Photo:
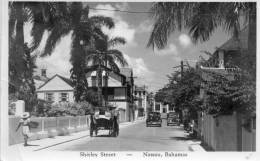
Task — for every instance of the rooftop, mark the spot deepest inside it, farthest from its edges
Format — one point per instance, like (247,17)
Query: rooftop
(234,43)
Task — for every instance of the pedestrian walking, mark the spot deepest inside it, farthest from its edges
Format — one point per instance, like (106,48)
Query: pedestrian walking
(25,123)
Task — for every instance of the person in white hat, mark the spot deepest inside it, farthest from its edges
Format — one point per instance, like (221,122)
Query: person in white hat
(25,123)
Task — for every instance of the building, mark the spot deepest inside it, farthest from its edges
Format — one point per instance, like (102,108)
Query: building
(163,108)
(141,100)
(118,87)
(57,89)
(40,77)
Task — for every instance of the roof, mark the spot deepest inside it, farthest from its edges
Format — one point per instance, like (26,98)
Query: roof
(142,88)
(66,80)
(40,78)
(235,44)
(126,71)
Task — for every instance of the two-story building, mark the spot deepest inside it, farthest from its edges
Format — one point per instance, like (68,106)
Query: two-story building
(116,90)
(141,100)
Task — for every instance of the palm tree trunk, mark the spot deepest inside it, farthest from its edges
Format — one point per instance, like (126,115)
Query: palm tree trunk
(99,78)
(18,53)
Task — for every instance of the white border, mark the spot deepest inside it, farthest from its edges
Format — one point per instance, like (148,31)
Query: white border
(57,155)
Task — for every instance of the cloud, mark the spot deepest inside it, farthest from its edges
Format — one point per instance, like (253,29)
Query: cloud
(184,40)
(171,50)
(141,71)
(145,26)
(122,28)
(122,5)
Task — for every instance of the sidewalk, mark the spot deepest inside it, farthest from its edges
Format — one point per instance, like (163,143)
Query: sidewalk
(194,144)
(37,145)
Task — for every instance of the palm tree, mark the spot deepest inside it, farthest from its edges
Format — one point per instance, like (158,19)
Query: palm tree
(75,18)
(105,54)
(21,62)
(202,19)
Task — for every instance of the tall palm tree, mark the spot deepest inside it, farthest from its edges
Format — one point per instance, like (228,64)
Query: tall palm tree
(21,62)
(105,54)
(202,19)
(75,18)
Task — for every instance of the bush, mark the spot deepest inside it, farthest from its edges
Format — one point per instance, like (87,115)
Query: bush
(69,109)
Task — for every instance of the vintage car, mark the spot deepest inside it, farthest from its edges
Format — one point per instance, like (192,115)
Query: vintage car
(154,119)
(104,118)
(173,119)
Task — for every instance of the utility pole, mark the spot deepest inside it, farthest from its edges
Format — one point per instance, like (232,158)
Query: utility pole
(181,69)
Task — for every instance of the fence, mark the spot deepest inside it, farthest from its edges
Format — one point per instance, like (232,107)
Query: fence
(61,125)
(226,133)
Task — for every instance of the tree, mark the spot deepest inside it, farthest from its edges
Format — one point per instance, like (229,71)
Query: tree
(202,19)
(21,62)
(85,30)
(104,54)
(182,92)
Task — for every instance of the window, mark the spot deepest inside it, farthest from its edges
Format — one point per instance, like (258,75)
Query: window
(94,81)
(170,108)
(119,93)
(64,97)
(49,97)
(164,110)
(157,107)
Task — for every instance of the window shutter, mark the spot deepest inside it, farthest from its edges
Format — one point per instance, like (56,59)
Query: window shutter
(60,97)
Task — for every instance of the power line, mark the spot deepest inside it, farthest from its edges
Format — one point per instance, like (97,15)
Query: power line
(117,10)
(127,11)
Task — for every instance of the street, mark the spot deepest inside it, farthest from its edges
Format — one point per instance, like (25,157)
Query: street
(136,137)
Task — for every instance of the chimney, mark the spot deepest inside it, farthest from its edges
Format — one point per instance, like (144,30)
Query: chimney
(221,59)
(43,72)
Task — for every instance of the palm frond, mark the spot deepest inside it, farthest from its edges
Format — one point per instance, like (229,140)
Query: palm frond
(37,34)
(101,20)
(117,56)
(113,66)
(116,41)
(55,36)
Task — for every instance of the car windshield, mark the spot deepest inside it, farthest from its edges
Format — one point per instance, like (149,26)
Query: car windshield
(154,114)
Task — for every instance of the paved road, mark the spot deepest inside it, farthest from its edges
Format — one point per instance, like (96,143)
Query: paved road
(135,137)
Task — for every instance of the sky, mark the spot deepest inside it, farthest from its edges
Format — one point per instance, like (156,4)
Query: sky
(150,67)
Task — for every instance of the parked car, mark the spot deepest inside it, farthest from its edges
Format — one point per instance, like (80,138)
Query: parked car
(154,118)
(173,119)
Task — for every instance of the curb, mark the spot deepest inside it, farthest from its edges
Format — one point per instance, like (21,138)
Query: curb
(55,132)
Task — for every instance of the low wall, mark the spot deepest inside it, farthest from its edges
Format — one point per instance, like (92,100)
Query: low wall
(225,133)
(49,126)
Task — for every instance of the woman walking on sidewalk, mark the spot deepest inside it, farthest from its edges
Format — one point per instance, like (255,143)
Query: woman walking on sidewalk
(25,122)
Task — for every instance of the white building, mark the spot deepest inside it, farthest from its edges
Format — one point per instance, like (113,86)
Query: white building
(141,100)
(118,91)
(57,89)
(163,108)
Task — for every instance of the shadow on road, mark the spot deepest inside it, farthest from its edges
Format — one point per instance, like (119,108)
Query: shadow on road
(184,138)
(104,136)
(31,145)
